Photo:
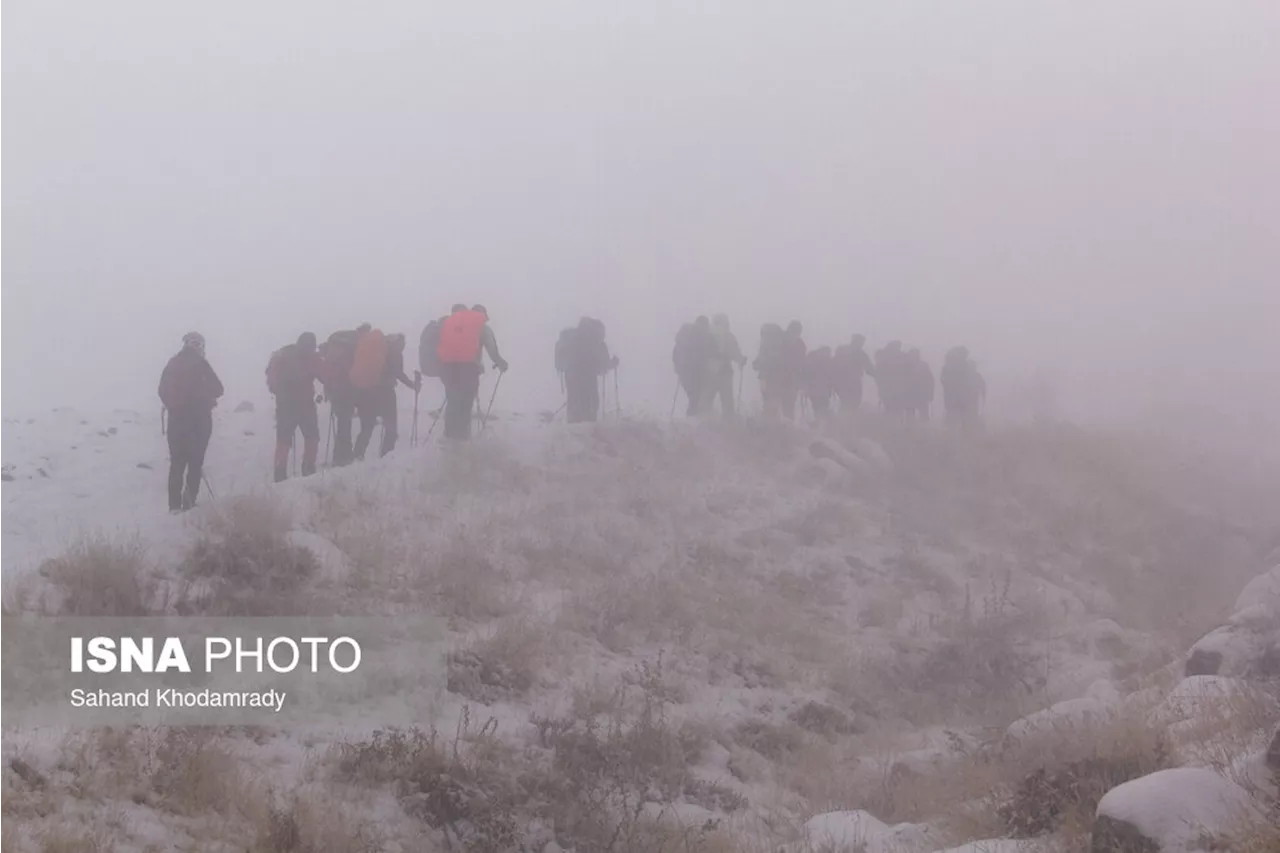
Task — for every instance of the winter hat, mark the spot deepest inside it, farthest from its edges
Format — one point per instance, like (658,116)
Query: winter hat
(193,340)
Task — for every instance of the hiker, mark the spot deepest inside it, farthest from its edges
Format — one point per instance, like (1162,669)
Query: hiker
(189,389)
(585,357)
(465,336)
(383,399)
(339,354)
(960,391)
(850,363)
(920,386)
(819,380)
(724,357)
(695,347)
(979,389)
(367,370)
(793,368)
(769,367)
(891,378)
(563,345)
(291,376)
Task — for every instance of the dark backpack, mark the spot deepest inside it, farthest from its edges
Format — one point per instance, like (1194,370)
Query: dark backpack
(563,348)
(428,343)
(339,351)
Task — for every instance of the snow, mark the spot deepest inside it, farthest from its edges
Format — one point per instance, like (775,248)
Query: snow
(1061,718)
(1181,808)
(1263,591)
(689,540)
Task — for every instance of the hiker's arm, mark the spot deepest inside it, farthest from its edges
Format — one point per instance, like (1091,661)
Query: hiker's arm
(215,384)
(490,344)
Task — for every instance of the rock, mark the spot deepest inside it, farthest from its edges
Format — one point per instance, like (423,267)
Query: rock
(1197,696)
(144,465)
(27,773)
(1249,649)
(842,830)
(1263,590)
(1171,811)
(1061,718)
(825,449)
(42,473)
(1273,753)
(248,432)
(995,845)
(7,477)
(244,406)
(112,430)
(1203,662)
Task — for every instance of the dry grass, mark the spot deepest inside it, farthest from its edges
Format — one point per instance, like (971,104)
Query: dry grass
(255,516)
(250,571)
(99,576)
(1048,783)
(504,664)
(309,820)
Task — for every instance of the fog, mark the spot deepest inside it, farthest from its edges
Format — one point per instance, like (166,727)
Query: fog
(1089,190)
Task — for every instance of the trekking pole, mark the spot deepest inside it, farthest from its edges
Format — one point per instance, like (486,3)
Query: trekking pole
(163,430)
(417,387)
(674,397)
(328,440)
(742,372)
(436,418)
(492,397)
(208,485)
(617,400)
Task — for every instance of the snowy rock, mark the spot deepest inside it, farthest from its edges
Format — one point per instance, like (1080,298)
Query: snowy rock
(842,830)
(1242,650)
(871,452)
(825,449)
(1197,696)
(1171,811)
(994,845)
(1263,590)
(1062,718)
(244,406)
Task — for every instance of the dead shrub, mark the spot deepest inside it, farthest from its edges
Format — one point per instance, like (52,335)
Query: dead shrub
(460,788)
(252,516)
(467,584)
(99,576)
(247,572)
(504,665)
(825,720)
(775,742)
(307,822)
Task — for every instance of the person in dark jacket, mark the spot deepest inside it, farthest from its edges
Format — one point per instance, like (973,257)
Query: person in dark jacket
(795,365)
(849,364)
(384,397)
(769,366)
(819,381)
(291,377)
(959,389)
(693,354)
(189,389)
(921,386)
(339,354)
(585,359)
(892,379)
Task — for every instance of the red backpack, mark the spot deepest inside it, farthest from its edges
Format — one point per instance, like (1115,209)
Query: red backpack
(460,337)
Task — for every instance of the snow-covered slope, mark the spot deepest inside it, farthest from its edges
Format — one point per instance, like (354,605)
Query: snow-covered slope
(700,633)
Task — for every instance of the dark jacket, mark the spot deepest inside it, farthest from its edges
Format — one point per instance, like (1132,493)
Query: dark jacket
(292,374)
(188,383)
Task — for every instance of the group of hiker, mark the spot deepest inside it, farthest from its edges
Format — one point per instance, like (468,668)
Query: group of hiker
(790,373)
(359,370)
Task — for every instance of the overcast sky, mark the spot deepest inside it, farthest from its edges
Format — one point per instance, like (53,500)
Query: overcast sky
(1085,186)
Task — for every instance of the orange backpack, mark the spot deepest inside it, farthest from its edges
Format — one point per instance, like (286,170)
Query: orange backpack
(460,337)
(371,357)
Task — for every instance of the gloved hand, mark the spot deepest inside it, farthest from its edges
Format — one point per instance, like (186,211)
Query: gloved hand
(319,399)
(501,365)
